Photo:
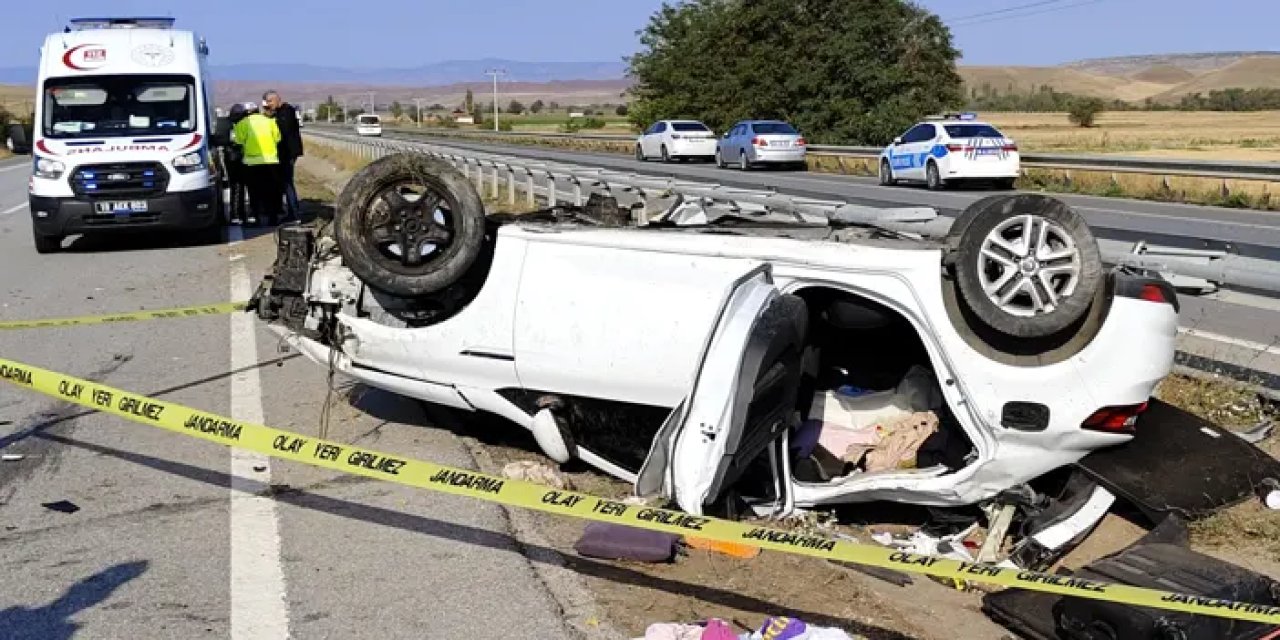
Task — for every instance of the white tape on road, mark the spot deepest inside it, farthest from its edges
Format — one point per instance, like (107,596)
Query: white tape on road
(258,605)
(15,167)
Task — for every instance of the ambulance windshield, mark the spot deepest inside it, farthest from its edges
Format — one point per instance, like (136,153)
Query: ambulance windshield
(119,105)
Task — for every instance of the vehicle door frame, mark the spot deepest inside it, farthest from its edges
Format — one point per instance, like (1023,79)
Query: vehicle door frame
(909,160)
(653,140)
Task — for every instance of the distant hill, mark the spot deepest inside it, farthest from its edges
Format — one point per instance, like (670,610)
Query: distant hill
(1166,74)
(1026,79)
(432,74)
(1248,73)
(1196,63)
(570,92)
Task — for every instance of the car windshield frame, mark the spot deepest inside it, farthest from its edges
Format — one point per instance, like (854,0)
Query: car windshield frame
(690,127)
(774,129)
(368,120)
(128,96)
(995,133)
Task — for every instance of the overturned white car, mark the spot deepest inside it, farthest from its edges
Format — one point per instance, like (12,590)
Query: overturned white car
(778,363)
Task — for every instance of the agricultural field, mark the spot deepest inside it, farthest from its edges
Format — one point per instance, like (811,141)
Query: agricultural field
(1203,135)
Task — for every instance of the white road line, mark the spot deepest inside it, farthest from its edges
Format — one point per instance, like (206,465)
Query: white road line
(13,209)
(258,606)
(1239,342)
(15,167)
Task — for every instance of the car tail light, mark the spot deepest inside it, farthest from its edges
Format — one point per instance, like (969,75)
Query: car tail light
(759,142)
(800,142)
(1010,147)
(1119,419)
(1153,293)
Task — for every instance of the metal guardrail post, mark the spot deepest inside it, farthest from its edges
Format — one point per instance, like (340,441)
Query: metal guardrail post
(551,189)
(511,186)
(529,194)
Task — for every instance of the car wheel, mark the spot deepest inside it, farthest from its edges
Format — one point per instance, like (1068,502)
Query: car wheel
(719,160)
(663,150)
(743,163)
(933,179)
(1026,265)
(46,244)
(640,157)
(409,224)
(886,174)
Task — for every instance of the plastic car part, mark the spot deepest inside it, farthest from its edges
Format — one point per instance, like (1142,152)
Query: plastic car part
(1026,265)
(409,225)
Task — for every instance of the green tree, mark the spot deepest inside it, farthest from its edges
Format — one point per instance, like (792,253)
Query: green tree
(1083,111)
(621,110)
(537,106)
(397,109)
(554,106)
(469,103)
(854,71)
(516,107)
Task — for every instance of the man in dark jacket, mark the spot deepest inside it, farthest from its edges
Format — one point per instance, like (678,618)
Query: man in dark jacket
(290,148)
(233,156)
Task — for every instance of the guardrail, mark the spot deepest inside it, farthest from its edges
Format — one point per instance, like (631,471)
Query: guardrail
(686,199)
(1266,171)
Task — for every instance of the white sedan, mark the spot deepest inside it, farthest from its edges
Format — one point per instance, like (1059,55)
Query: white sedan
(951,149)
(711,363)
(677,140)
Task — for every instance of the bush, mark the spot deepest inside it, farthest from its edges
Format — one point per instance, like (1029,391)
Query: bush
(1083,111)
(621,110)
(504,125)
(574,125)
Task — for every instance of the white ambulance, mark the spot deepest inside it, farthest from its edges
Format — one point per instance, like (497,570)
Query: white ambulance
(122,132)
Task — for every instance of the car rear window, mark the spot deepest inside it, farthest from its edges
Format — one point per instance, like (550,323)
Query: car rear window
(689,126)
(773,127)
(973,131)
(368,120)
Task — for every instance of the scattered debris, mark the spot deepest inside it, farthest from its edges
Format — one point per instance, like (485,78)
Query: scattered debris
(744,551)
(619,542)
(888,575)
(11,457)
(783,628)
(61,506)
(536,472)
(1269,492)
(259,467)
(1257,433)
(673,631)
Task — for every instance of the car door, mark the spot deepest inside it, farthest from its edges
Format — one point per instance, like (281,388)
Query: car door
(741,401)
(653,141)
(907,158)
(730,146)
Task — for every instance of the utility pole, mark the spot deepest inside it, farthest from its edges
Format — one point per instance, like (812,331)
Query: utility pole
(373,105)
(495,73)
(418,103)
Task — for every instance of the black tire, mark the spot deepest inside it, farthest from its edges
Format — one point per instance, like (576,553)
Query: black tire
(16,139)
(1076,278)
(640,157)
(456,242)
(666,159)
(886,174)
(743,163)
(46,244)
(933,178)
(719,160)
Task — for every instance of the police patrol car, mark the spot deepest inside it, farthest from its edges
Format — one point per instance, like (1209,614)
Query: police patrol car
(945,149)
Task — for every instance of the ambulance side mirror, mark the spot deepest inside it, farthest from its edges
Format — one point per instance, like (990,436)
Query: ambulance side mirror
(221,136)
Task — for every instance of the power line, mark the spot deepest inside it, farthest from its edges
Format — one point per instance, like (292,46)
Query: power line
(1005,10)
(985,21)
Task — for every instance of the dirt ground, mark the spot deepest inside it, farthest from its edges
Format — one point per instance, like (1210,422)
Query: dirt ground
(701,584)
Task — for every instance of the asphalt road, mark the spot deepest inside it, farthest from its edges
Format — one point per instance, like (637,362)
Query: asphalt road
(1224,331)
(108,529)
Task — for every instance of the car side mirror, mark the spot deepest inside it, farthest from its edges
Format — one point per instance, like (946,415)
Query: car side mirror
(221,136)
(897,141)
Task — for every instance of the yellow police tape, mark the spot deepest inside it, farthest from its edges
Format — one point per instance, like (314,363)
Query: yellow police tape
(129,316)
(518,493)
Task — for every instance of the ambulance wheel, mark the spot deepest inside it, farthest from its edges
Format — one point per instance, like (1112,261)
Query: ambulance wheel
(1025,265)
(409,225)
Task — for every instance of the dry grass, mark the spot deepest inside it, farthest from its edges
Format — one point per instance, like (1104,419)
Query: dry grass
(1184,134)
(4,153)
(17,99)
(1222,401)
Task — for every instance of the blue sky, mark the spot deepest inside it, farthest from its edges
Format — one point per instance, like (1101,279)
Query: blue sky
(409,32)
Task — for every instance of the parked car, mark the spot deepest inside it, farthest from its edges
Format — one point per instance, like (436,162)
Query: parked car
(950,149)
(368,124)
(751,143)
(676,140)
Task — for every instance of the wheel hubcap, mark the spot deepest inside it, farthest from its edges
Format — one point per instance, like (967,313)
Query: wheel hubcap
(1028,265)
(409,225)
